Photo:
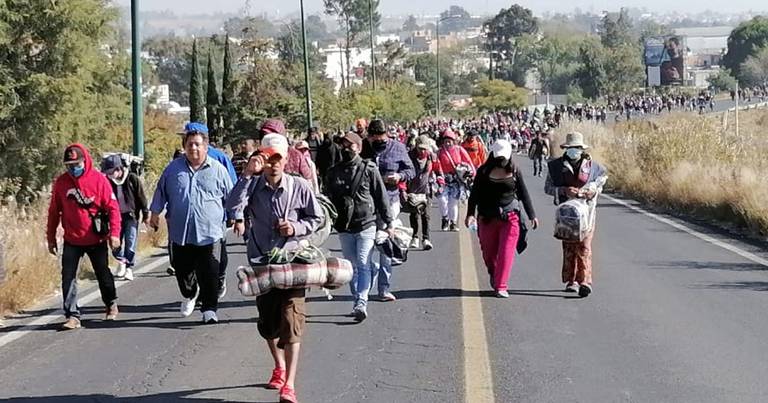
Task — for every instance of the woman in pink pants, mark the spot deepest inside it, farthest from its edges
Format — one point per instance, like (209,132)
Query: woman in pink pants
(497,195)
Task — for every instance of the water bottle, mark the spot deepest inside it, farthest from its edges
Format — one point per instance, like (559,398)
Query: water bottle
(473,226)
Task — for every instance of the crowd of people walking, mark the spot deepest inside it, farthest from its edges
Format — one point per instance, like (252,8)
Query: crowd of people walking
(276,193)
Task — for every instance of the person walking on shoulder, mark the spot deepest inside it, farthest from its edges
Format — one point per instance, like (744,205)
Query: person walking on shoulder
(83,203)
(495,209)
(132,200)
(576,176)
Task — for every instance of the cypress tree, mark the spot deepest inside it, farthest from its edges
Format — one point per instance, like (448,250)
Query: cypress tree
(213,99)
(196,101)
(228,92)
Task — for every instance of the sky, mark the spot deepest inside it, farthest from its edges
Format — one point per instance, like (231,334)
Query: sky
(402,7)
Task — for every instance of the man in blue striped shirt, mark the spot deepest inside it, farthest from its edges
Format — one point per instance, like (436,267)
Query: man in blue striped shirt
(193,191)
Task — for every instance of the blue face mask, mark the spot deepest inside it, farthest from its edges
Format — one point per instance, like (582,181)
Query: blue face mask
(76,171)
(574,154)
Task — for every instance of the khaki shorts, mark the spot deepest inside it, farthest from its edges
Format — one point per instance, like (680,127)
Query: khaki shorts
(282,314)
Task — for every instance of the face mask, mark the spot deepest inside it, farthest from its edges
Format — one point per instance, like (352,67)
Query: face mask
(76,171)
(574,154)
(379,145)
(348,154)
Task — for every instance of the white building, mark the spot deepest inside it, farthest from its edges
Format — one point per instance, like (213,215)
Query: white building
(336,64)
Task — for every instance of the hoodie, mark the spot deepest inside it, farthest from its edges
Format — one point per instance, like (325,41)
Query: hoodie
(75,219)
(476,150)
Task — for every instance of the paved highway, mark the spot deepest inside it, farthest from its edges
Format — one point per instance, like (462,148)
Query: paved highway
(675,317)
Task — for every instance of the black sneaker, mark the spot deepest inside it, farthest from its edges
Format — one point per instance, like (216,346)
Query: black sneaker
(171,271)
(585,290)
(445,225)
(360,314)
(454,227)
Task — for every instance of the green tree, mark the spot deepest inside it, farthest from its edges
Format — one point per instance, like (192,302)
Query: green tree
(616,29)
(172,64)
(497,95)
(504,32)
(62,79)
(196,99)
(354,19)
(624,69)
(411,24)
(228,92)
(456,19)
(213,98)
(723,81)
(755,68)
(592,74)
(744,41)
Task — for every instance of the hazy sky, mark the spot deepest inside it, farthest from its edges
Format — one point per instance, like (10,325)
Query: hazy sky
(474,6)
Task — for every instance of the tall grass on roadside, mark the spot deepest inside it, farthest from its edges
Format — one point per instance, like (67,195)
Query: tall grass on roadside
(689,163)
(31,271)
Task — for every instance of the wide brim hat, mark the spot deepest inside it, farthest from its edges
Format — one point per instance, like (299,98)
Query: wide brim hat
(573,140)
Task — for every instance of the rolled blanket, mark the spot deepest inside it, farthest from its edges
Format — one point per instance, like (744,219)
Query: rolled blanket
(330,273)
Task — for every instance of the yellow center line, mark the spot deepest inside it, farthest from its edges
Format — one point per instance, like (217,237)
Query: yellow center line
(478,378)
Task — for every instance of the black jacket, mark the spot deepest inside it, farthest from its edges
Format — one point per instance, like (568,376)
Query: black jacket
(370,200)
(135,198)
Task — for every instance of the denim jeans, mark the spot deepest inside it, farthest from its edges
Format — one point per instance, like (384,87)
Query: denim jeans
(128,235)
(380,263)
(357,248)
(70,262)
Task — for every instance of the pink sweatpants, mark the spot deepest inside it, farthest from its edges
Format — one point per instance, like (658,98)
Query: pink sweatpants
(498,241)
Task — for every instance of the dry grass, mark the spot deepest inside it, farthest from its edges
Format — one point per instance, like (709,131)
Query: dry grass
(31,272)
(689,163)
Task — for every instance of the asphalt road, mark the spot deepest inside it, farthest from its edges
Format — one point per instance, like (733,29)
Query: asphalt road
(673,319)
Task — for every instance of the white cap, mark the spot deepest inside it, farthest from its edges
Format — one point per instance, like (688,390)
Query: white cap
(274,143)
(501,149)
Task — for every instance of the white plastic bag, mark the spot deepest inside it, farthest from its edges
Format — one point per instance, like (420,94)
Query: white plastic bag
(572,220)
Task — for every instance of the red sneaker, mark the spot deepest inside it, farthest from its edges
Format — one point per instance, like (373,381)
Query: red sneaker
(278,379)
(288,395)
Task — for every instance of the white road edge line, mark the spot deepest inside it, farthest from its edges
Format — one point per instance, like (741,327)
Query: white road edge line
(478,377)
(88,298)
(732,248)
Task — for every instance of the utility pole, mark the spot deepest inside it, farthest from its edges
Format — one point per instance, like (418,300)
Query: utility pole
(307,91)
(373,54)
(138,110)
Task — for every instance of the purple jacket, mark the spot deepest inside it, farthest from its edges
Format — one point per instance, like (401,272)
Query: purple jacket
(393,159)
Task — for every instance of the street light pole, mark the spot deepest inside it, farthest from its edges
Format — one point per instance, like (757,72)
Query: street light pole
(138,110)
(373,55)
(437,57)
(307,91)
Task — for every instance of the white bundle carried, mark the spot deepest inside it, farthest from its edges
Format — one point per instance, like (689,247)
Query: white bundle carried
(573,220)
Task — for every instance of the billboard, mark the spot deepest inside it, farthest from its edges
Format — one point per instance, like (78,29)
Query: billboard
(664,59)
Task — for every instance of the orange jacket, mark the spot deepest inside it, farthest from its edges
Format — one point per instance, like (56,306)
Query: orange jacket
(476,150)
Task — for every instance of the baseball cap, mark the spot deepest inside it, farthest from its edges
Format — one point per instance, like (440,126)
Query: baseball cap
(195,127)
(111,163)
(301,145)
(273,126)
(354,138)
(501,149)
(274,143)
(73,155)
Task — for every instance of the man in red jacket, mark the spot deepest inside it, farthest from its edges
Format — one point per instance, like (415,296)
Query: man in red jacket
(82,198)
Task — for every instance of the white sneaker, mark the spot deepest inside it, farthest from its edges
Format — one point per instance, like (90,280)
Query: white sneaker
(209,318)
(188,305)
(223,291)
(129,274)
(415,243)
(120,269)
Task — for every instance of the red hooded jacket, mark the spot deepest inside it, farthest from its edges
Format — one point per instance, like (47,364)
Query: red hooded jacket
(75,219)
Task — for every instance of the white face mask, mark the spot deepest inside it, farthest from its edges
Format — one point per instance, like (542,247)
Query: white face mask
(574,154)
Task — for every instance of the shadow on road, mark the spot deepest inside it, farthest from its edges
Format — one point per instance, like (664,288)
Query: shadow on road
(689,264)
(737,285)
(180,396)
(429,293)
